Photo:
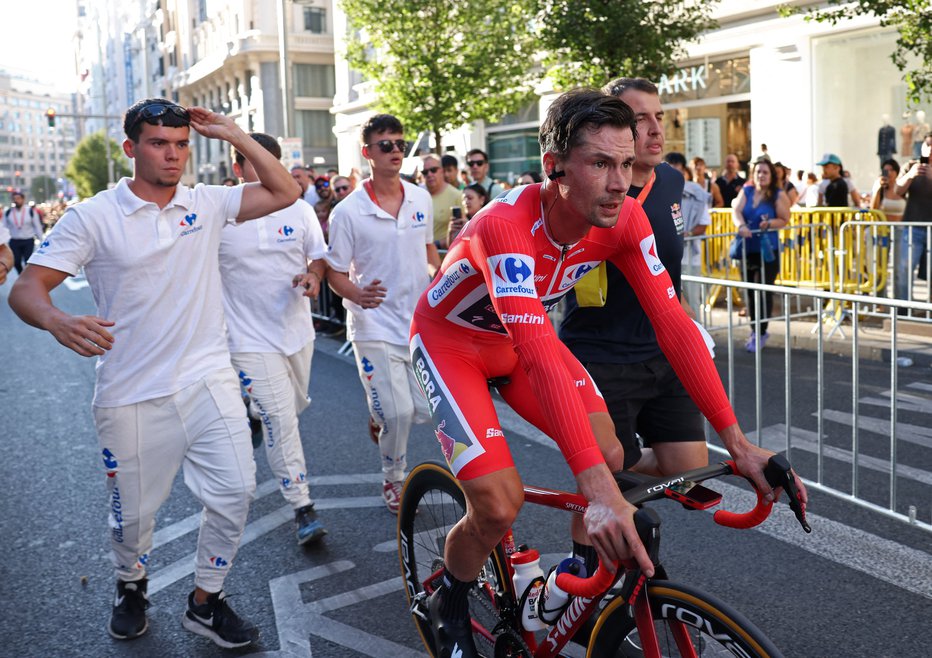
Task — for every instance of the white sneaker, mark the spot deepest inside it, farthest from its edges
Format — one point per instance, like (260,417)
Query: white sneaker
(391,493)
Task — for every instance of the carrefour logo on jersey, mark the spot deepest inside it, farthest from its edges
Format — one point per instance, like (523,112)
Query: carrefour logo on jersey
(187,223)
(649,249)
(286,233)
(512,275)
(455,274)
(573,273)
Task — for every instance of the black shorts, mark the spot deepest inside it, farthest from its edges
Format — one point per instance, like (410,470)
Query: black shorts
(647,399)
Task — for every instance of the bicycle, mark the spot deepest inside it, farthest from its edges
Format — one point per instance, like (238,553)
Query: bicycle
(622,614)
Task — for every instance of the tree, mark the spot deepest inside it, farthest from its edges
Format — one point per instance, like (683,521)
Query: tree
(43,188)
(590,42)
(913,20)
(437,64)
(87,168)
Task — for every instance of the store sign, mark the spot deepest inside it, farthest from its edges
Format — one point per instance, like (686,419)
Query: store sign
(729,77)
(683,81)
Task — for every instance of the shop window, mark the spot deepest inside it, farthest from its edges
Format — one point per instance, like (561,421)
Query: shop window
(314,80)
(513,152)
(315,128)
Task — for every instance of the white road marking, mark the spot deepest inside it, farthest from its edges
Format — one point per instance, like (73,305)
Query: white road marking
(184,566)
(921,436)
(296,620)
(774,438)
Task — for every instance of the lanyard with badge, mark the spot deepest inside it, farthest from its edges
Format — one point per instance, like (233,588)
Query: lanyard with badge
(592,289)
(22,217)
(367,185)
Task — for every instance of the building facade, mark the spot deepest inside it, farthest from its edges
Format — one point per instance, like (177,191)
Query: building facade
(226,55)
(802,88)
(29,147)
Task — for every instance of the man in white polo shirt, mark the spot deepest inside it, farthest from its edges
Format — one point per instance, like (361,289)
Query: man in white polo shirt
(380,259)
(166,396)
(269,268)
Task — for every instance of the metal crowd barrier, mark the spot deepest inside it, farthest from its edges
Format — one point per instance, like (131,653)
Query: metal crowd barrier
(875,439)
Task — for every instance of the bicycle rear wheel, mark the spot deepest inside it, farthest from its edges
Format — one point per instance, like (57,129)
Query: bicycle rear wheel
(708,626)
(431,504)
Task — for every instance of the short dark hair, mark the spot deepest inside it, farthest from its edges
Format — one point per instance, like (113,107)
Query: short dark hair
(480,190)
(485,156)
(380,123)
(675,158)
(581,109)
(449,161)
(533,175)
(618,86)
(266,141)
(132,125)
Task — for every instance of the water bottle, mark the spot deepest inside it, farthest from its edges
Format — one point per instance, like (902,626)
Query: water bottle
(529,583)
(554,600)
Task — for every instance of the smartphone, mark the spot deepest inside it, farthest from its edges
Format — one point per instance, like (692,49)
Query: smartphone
(693,495)
(457,212)
(923,159)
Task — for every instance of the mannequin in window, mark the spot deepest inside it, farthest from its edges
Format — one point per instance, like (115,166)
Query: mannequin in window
(886,140)
(906,134)
(920,130)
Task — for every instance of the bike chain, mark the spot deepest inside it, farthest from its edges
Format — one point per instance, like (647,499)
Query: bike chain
(503,628)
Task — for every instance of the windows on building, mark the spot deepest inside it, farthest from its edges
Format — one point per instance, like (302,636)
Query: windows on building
(315,20)
(315,128)
(314,80)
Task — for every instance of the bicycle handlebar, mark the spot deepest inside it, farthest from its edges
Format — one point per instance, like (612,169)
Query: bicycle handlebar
(638,489)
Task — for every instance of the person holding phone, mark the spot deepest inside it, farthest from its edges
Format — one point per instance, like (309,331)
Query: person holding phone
(474,198)
(916,185)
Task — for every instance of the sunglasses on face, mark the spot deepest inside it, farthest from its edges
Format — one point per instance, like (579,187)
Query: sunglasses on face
(389,145)
(322,186)
(342,188)
(156,110)
(431,170)
(475,163)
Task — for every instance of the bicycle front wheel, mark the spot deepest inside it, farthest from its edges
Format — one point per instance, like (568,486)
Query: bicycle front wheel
(431,504)
(688,622)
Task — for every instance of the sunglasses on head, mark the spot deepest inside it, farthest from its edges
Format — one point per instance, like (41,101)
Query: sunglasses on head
(389,145)
(342,188)
(475,163)
(431,170)
(156,110)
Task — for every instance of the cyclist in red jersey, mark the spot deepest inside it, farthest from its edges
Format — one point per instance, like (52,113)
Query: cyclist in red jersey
(484,317)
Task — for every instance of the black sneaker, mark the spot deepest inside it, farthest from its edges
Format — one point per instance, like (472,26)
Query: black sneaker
(215,619)
(452,638)
(307,527)
(128,619)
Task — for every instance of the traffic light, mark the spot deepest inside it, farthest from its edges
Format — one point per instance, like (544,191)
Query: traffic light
(50,115)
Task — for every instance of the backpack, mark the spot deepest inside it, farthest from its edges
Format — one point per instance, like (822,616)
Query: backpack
(32,212)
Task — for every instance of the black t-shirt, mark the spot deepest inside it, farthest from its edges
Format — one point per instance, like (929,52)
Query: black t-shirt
(620,332)
(918,201)
(836,194)
(729,190)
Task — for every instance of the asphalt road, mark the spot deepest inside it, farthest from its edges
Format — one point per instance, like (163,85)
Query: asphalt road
(859,585)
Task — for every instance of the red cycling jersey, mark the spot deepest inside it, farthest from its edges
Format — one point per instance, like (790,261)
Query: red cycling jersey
(484,317)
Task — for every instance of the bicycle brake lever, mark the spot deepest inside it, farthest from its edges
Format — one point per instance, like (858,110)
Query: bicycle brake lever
(779,473)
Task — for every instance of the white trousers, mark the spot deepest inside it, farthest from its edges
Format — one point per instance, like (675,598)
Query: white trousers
(201,428)
(277,388)
(394,397)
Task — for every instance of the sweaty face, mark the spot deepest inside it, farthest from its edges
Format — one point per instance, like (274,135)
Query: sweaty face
(160,155)
(649,115)
(598,175)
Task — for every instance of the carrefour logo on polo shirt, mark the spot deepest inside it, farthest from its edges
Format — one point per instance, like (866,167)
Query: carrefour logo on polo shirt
(418,219)
(573,273)
(455,274)
(188,223)
(41,249)
(512,275)
(649,249)
(286,232)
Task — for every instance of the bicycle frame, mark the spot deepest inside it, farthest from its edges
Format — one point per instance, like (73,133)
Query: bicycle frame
(590,592)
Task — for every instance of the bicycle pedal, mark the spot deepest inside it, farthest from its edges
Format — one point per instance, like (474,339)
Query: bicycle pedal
(419,606)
